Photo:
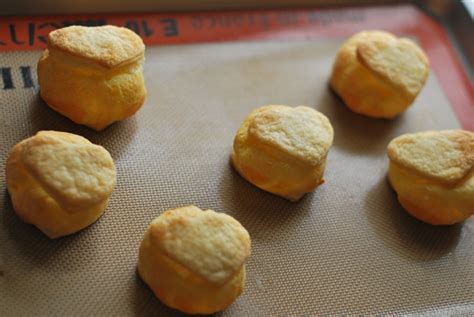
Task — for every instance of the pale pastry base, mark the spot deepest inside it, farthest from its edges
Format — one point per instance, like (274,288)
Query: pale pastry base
(432,203)
(91,97)
(279,178)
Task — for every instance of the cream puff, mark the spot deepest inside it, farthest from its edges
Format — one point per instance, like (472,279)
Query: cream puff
(59,182)
(433,174)
(93,75)
(194,260)
(283,150)
(379,75)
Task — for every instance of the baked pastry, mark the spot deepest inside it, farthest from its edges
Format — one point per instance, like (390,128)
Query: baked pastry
(433,174)
(59,182)
(194,260)
(379,75)
(93,75)
(283,150)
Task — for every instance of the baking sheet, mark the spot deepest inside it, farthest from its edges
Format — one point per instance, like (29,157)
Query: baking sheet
(346,248)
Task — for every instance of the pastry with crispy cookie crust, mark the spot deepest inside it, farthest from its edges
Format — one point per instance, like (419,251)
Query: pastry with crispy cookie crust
(194,260)
(379,75)
(433,174)
(59,182)
(283,150)
(93,75)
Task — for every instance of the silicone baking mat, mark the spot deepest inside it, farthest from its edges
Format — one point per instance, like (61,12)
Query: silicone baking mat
(348,247)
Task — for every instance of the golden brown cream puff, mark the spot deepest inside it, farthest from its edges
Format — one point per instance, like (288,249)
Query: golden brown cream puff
(194,260)
(433,174)
(59,182)
(379,75)
(283,150)
(93,75)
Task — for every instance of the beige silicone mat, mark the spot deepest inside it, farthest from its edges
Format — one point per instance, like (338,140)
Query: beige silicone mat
(346,248)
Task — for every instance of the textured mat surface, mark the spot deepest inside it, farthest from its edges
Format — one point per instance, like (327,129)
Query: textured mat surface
(346,248)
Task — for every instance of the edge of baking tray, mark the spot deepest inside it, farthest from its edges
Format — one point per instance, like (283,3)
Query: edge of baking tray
(452,14)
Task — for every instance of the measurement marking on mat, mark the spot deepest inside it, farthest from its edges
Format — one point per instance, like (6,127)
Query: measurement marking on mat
(7,78)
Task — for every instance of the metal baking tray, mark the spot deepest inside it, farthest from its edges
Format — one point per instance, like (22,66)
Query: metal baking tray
(347,248)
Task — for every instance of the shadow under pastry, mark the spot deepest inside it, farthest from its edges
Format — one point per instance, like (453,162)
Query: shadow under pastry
(260,212)
(355,133)
(115,138)
(34,245)
(403,234)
